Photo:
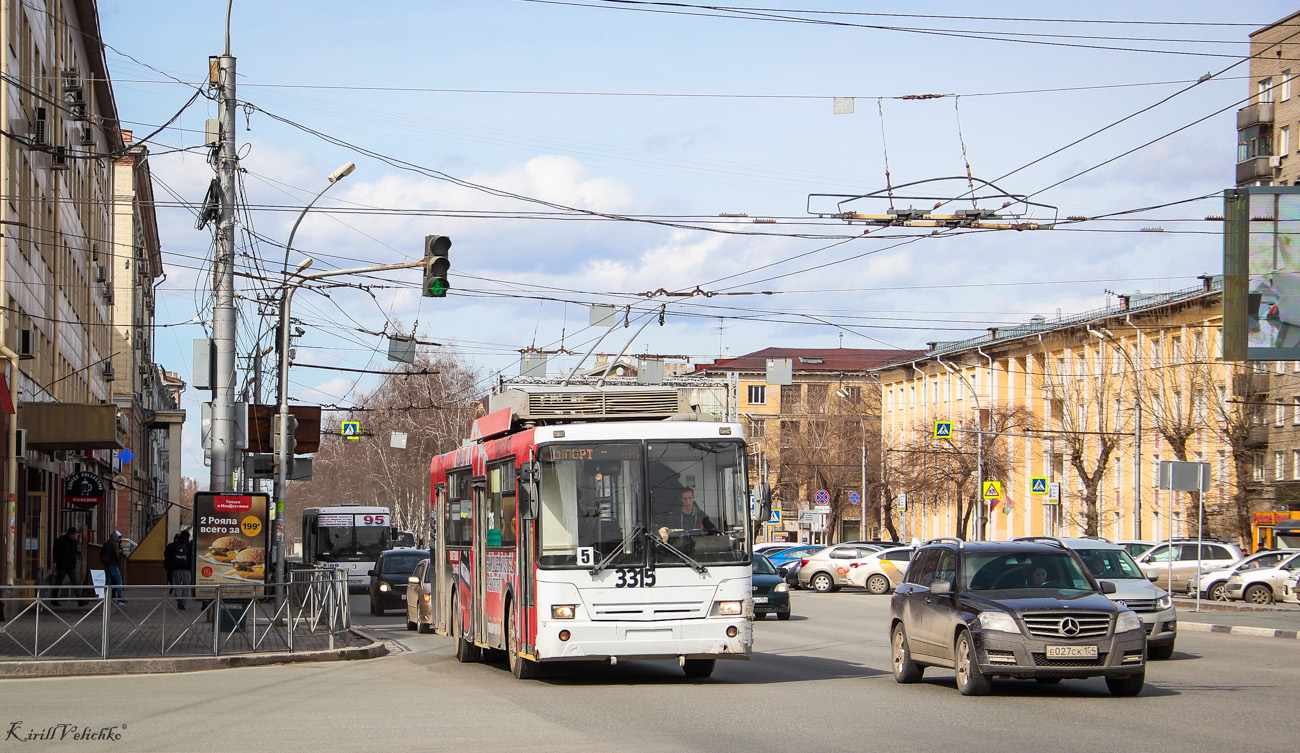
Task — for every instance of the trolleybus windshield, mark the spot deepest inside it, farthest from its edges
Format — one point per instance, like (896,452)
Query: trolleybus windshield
(614,502)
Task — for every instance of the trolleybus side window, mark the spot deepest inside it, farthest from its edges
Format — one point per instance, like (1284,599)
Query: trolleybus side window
(591,504)
(501,504)
(459,505)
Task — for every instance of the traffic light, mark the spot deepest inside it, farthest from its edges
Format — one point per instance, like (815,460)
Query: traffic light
(436,265)
(290,430)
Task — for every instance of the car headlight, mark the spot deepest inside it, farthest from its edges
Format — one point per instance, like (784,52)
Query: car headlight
(730,608)
(1164,602)
(1000,621)
(781,588)
(1128,620)
(384,588)
(562,612)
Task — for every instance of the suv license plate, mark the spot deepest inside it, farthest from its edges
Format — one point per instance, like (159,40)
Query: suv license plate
(1071,652)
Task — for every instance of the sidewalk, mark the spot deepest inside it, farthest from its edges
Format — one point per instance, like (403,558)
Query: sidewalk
(1276,621)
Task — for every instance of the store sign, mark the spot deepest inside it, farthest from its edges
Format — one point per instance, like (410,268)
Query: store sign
(232,540)
(85,488)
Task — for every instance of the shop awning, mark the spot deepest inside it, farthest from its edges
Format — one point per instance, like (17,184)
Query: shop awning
(70,426)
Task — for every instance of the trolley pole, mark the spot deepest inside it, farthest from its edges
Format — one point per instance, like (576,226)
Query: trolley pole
(223,268)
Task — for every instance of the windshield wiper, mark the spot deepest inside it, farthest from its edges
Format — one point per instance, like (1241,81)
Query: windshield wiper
(610,557)
(685,557)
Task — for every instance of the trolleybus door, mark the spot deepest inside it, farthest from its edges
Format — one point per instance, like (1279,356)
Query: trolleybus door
(478,616)
(440,582)
(527,504)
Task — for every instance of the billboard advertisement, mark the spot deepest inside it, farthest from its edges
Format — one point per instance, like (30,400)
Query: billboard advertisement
(1261,298)
(232,538)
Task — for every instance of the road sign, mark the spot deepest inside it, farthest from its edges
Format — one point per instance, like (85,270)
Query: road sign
(351,430)
(775,520)
(901,502)
(854,498)
(806,517)
(1054,493)
(942,429)
(1038,485)
(822,497)
(992,490)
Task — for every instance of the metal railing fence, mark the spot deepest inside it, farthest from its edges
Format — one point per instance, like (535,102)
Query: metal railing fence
(63,623)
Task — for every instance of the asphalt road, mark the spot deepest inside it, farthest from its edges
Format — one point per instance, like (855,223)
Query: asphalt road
(819,682)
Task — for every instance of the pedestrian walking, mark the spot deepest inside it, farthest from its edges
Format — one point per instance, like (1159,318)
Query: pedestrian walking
(67,555)
(111,557)
(169,557)
(180,565)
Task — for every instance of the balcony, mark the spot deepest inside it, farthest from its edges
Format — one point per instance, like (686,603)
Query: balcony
(1257,436)
(1255,169)
(1254,383)
(1260,114)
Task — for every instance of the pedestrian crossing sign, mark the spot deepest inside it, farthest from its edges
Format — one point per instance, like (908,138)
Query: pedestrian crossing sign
(992,490)
(1038,485)
(351,430)
(942,429)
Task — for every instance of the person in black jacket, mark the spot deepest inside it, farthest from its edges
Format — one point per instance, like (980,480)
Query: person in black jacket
(67,554)
(180,566)
(112,558)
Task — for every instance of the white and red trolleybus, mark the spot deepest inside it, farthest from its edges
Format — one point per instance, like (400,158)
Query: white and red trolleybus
(607,540)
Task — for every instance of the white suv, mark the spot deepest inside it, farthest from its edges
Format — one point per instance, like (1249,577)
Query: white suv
(1179,557)
(1109,562)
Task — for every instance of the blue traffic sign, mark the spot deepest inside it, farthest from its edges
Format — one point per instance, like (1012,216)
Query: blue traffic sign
(351,430)
(942,429)
(854,498)
(775,520)
(125,454)
(822,497)
(1038,485)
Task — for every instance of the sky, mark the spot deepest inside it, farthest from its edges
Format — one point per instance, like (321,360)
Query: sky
(583,152)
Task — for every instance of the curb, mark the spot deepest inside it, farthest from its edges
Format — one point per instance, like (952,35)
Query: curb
(1232,606)
(1258,632)
(97,667)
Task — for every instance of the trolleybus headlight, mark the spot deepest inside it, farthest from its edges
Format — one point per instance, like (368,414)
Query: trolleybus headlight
(730,607)
(562,612)
(782,588)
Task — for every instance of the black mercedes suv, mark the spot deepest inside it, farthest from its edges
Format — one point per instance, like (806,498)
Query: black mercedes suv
(1011,609)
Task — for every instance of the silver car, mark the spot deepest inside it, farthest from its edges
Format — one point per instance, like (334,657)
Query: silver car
(1111,563)
(829,569)
(1262,585)
(1291,590)
(1212,583)
(1180,558)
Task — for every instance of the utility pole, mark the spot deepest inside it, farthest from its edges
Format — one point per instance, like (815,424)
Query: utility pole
(223,273)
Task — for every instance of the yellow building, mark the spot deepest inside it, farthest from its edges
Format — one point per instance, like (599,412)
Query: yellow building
(1062,400)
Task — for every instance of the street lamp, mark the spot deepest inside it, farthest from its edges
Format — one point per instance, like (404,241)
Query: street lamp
(979,445)
(1106,335)
(340,173)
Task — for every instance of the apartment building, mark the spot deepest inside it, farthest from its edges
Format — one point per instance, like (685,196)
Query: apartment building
(1268,127)
(1094,402)
(820,431)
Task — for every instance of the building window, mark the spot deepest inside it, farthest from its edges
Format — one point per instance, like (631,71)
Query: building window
(1286,86)
(1279,466)
(1256,141)
(757,429)
(757,394)
(1284,141)
(1295,465)
(1265,90)
(1279,414)
(1256,466)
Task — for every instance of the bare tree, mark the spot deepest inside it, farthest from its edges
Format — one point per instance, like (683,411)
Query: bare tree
(433,402)
(1087,404)
(1236,417)
(1175,389)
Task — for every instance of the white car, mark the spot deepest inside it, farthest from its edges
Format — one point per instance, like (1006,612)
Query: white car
(1262,585)
(1291,590)
(829,569)
(881,572)
(1211,583)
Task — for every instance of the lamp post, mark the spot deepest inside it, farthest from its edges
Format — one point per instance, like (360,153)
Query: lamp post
(1106,335)
(342,172)
(979,456)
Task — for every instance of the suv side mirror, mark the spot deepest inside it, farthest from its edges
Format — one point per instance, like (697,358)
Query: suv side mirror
(1153,577)
(1107,587)
(941,587)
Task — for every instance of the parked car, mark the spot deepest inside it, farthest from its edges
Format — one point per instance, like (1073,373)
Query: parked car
(388,579)
(1181,554)
(1137,548)
(419,598)
(794,553)
(1155,606)
(1262,585)
(770,592)
(1291,590)
(882,571)
(829,569)
(770,547)
(1212,583)
(790,572)
(1015,609)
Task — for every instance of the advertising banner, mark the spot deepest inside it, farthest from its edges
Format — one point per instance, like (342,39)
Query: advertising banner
(1261,265)
(232,540)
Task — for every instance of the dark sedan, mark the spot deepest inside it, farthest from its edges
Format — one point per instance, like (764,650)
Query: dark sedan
(771,594)
(388,579)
